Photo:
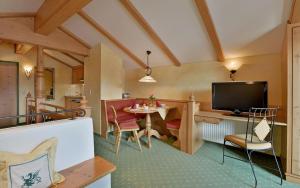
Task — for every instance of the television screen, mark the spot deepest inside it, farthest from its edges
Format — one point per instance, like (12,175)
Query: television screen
(239,96)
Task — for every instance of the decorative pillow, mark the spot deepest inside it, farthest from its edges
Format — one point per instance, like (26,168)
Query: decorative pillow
(34,170)
(262,129)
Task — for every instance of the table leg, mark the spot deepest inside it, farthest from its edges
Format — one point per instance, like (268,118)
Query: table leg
(148,131)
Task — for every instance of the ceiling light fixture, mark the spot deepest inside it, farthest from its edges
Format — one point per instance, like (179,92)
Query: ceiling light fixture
(148,78)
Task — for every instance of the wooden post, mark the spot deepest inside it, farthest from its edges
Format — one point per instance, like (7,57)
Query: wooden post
(194,131)
(39,83)
(28,107)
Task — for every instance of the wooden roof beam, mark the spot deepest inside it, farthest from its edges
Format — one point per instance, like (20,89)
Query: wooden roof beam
(20,30)
(150,31)
(73,57)
(294,14)
(208,22)
(53,13)
(16,14)
(56,59)
(23,48)
(70,34)
(100,29)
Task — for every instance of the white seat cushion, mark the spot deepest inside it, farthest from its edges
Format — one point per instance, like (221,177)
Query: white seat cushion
(256,144)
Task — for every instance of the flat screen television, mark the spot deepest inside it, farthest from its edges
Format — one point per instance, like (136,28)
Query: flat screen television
(239,96)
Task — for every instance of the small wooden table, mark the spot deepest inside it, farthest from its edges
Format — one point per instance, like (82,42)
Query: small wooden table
(148,131)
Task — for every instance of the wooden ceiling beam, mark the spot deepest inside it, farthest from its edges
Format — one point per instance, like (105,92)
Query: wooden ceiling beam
(100,29)
(56,59)
(53,13)
(73,57)
(208,22)
(23,48)
(20,30)
(150,31)
(16,14)
(70,34)
(294,14)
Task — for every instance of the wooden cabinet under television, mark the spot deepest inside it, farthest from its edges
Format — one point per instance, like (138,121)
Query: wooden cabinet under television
(291,82)
(77,75)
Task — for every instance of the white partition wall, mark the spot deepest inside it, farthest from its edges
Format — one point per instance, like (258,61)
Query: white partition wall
(75,140)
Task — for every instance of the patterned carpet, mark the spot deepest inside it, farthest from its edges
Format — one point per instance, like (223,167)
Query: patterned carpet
(163,166)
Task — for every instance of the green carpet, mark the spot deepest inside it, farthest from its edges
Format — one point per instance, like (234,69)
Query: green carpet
(163,166)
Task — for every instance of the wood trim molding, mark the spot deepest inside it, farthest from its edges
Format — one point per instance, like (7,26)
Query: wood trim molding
(100,29)
(20,30)
(16,14)
(208,22)
(73,57)
(150,31)
(58,60)
(23,48)
(72,35)
(53,13)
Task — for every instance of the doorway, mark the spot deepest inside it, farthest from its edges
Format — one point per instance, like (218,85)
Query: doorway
(9,92)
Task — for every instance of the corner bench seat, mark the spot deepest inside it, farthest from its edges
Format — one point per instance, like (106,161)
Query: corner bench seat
(86,173)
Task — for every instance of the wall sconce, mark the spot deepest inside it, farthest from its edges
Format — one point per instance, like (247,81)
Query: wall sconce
(233,66)
(232,73)
(28,71)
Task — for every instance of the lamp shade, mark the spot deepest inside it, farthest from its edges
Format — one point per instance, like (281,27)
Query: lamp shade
(147,79)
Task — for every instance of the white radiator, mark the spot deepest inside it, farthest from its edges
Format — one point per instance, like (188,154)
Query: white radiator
(216,133)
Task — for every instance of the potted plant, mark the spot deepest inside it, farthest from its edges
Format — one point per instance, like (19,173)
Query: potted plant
(152,100)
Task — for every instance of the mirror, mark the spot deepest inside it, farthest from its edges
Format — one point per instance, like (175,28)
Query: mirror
(49,75)
(49,83)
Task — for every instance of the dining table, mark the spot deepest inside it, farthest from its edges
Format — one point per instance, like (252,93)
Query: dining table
(148,131)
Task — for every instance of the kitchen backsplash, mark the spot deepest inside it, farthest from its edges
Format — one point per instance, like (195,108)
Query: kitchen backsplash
(74,90)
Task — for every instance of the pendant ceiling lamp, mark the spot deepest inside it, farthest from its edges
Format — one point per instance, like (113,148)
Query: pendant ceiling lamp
(148,71)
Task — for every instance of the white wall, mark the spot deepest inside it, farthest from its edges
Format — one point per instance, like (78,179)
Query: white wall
(63,75)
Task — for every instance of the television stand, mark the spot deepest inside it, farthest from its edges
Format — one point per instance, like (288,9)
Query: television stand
(217,117)
(237,115)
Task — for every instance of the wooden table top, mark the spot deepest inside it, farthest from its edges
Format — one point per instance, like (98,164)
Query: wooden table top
(86,173)
(140,110)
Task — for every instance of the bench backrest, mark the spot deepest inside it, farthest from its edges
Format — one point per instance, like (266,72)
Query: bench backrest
(75,140)
(119,105)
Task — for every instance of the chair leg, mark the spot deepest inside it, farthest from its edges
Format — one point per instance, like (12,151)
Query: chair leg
(277,165)
(118,142)
(224,151)
(137,139)
(251,164)
(116,134)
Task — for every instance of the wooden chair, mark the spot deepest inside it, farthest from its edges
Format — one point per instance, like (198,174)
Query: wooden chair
(258,137)
(124,126)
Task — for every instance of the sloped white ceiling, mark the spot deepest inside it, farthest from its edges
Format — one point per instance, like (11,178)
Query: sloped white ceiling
(116,20)
(86,32)
(245,27)
(20,5)
(178,24)
(248,28)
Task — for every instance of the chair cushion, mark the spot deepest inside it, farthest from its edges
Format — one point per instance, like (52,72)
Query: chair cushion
(256,144)
(174,124)
(129,125)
